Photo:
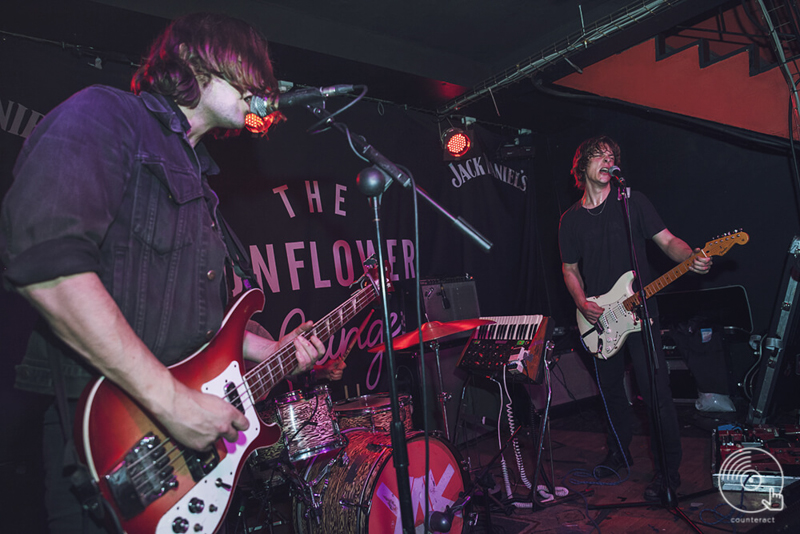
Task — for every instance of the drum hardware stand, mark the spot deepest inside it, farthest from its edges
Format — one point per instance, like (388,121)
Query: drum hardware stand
(265,500)
(443,396)
(305,490)
(431,332)
(443,521)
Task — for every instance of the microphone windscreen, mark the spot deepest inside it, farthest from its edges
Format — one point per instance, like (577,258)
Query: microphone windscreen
(260,106)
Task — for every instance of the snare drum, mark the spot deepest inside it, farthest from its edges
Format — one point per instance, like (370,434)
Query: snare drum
(308,423)
(355,488)
(373,412)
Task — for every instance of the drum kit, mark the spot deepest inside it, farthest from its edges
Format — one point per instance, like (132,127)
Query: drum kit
(335,458)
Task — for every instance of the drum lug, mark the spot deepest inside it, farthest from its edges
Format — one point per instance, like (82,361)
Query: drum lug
(472,519)
(347,504)
(375,446)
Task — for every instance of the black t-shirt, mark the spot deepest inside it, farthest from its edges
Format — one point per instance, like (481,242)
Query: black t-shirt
(597,240)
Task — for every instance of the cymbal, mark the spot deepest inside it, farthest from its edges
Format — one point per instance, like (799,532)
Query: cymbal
(431,331)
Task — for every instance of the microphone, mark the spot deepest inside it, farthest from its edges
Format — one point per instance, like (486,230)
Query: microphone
(616,174)
(263,106)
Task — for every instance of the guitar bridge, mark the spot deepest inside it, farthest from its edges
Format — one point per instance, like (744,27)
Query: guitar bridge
(147,473)
(143,476)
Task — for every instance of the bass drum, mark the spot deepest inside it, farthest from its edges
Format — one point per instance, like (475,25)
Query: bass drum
(355,488)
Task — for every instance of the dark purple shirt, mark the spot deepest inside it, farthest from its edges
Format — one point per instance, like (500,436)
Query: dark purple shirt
(108,183)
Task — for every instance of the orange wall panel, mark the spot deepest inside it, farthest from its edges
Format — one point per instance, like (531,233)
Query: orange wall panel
(723,92)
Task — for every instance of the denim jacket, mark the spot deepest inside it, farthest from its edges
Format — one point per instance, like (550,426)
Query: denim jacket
(108,183)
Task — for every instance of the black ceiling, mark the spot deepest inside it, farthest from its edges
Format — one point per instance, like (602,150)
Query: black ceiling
(461,42)
(420,53)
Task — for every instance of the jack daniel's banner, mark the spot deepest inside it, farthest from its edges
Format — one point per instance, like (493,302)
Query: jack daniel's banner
(294,202)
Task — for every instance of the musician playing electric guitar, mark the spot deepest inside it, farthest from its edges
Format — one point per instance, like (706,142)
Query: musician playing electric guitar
(594,254)
(112,232)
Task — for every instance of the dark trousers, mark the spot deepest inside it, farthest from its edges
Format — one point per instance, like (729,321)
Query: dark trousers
(612,372)
(65,515)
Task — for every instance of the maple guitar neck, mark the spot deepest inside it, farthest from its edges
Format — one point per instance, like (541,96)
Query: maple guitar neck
(717,247)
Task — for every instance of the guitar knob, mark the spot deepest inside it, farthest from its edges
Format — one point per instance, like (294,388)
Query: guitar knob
(180,525)
(196,505)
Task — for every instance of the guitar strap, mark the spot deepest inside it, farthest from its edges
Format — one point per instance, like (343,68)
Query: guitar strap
(241,263)
(83,485)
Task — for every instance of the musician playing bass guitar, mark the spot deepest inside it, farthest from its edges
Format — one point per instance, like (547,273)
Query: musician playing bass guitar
(595,254)
(112,232)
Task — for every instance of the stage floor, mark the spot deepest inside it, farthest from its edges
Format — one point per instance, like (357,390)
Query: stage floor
(577,443)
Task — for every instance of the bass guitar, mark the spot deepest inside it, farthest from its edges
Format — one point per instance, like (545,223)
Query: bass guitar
(605,337)
(153,483)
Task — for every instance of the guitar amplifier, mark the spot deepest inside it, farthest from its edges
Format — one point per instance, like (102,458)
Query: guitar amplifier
(450,299)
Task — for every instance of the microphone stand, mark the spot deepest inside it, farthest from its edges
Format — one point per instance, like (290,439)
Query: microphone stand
(669,500)
(373,182)
(369,153)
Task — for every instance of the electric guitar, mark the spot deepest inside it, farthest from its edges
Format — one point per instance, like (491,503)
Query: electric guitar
(153,483)
(606,337)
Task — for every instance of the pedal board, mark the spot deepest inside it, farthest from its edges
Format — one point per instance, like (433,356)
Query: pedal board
(760,458)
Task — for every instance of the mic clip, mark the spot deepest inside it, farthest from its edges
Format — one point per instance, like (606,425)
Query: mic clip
(616,174)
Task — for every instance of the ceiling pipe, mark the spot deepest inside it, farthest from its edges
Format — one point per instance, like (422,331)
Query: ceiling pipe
(613,24)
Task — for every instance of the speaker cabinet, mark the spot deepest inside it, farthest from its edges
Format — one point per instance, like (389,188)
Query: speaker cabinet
(570,380)
(450,299)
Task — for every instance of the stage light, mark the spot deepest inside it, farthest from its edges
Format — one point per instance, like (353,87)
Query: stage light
(456,143)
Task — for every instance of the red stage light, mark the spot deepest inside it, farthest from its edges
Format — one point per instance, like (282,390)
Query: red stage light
(456,142)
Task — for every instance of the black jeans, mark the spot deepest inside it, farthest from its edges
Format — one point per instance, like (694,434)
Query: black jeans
(65,515)
(612,372)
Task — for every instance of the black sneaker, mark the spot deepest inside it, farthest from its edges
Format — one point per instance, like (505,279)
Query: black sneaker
(654,490)
(613,461)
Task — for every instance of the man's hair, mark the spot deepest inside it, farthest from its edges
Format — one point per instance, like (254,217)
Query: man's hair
(588,149)
(201,45)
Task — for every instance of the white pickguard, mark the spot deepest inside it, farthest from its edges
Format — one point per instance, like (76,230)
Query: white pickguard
(215,498)
(617,322)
